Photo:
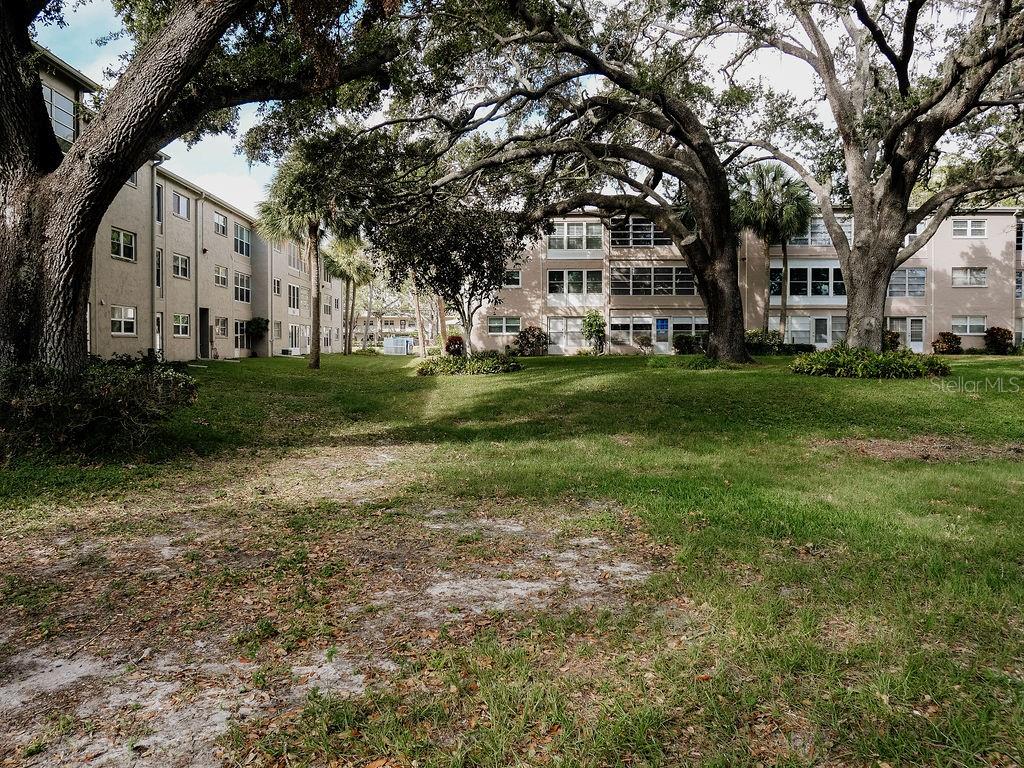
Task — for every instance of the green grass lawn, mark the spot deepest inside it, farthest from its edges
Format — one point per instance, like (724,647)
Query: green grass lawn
(811,603)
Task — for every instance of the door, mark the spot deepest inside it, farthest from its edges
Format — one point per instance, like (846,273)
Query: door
(821,332)
(158,334)
(916,334)
(556,335)
(204,332)
(662,337)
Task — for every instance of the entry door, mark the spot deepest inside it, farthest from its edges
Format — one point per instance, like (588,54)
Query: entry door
(158,333)
(821,332)
(917,334)
(662,337)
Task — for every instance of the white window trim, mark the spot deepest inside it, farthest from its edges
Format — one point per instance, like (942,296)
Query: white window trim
(174,208)
(134,320)
(188,264)
(135,245)
(217,274)
(216,224)
(245,288)
(968,323)
(504,325)
(175,324)
(970,229)
(968,270)
(518,283)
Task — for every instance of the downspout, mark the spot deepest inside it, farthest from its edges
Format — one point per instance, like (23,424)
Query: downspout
(154,297)
(200,199)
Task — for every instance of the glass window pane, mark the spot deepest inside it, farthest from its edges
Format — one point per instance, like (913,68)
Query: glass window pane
(641,281)
(594,281)
(620,281)
(575,239)
(556,282)
(798,281)
(820,281)
(663,281)
(685,284)
(595,236)
(574,281)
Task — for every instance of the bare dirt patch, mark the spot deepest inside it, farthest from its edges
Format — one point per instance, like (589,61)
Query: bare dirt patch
(930,448)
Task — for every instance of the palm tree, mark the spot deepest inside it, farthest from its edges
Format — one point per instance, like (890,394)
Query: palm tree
(776,207)
(346,260)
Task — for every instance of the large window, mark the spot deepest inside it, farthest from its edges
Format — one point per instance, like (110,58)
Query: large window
(182,325)
(690,325)
(637,232)
(241,335)
(907,282)
(61,110)
(220,327)
(798,281)
(969,325)
(503,325)
(575,236)
(243,287)
(277,286)
(122,320)
(652,281)
(513,279)
(970,277)
(574,281)
(220,224)
(838,328)
(970,228)
(181,266)
(809,281)
(243,240)
(1018,285)
(293,299)
(295,260)
(817,233)
(220,276)
(181,206)
(122,244)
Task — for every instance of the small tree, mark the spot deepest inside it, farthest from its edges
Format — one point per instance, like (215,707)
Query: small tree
(594,330)
(998,341)
(257,331)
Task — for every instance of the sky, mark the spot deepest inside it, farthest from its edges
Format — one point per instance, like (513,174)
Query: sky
(213,163)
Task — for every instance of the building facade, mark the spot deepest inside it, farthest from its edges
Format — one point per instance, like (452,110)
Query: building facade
(968,277)
(181,272)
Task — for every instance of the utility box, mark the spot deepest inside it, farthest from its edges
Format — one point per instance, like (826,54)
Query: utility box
(398,345)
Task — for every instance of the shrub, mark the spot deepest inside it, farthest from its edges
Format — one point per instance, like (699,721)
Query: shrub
(685,344)
(948,343)
(257,331)
(594,330)
(455,346)
(761,342)
(643,342)
(111,405)
(890,340)
(998,340)
(476,364)
(844,362)
(531,341)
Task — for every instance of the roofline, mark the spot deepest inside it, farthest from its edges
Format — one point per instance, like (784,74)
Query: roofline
(161,170)
(75,74)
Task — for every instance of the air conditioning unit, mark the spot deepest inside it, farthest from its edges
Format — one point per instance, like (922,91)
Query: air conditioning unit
(290,351)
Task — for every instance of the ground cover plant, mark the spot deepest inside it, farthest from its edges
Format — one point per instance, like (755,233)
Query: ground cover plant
(593,562)
(842,362)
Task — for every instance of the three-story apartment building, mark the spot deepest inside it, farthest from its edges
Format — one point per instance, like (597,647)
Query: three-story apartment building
(966,278)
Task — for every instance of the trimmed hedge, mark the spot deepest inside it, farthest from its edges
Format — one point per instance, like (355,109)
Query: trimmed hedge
(843,362)
(110,406)
(481,363)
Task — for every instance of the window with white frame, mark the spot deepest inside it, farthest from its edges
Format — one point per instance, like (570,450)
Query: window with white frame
(513,279)
(1019,239)
(159,205)
(243,240)
(243,287)
(327,307)
(122,244)
(1018,284)
(293,299)
(1018,335)
(809,281)
(576,236)
(908,282)
(817,233)
(970,277)
(220,276)
(182,325)
(220,224)
(277,329)
(838,328)
(133,180)
(61,110)
(690,325)
(295,260)
(652,281)
(220,327)
(181,206)
(277,286)
(969,325)
(574,281)
(122,320)
(337,304)
(637,232)
(626,329)
(970,228)
(503,325)
(241,335)
(181,266)
(158,267)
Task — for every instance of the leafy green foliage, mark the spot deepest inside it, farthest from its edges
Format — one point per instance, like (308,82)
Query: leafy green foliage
(687,344)
(480,363)
(595,330)
(531,341)
(890,340)
(998,340)
(761,342)
(948,343)
(843,362)
(108,407)
(771,203)
(455,346)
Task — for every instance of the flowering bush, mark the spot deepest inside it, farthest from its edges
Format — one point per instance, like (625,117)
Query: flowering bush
(455,346)
(477,364)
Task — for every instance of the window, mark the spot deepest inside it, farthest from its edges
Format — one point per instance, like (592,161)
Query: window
(220,327)
(556,282)
(838,283)
(159,204)
(798,281)
(817,233)
(575,236)
(664,281)
(821,281)
(798,329)
(1018,336)
(61,110)
(293,299)
(907,282)
(775,281)
(574,281)
(1019,241)
(503,325)
(277,329)
(969,325)
(243,240)
(277,286)
(295,260)
(838,328)
(595,236)
(243,287)
(513,278)
(1018,285)
(642,281)
(220,276)
(689,325)
(327,307)
(122,244)
(181,266)
(181,206)
(337,305)
(970,228)
(595,281)
(182,325)
(133,180)
(648,281)
(970,277)
(158,266)
(241,335)
(122,320)
(636,231)
(220,224)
